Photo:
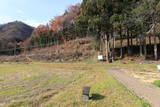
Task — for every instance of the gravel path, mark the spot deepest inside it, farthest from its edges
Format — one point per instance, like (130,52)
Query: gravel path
(145,91)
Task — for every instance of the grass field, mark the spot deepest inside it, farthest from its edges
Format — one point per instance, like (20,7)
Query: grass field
(40,84)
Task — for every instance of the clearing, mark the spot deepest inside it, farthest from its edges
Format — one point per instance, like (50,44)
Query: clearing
(39,84)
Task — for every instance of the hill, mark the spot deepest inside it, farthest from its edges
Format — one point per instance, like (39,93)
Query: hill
(73,50)
(14,32)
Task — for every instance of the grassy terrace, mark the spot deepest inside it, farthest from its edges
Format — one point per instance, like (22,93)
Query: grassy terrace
(39,84)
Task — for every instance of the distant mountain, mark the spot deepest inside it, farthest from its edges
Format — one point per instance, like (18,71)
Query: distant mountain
(14,32)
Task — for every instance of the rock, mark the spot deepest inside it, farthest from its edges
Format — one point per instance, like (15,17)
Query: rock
(85,93)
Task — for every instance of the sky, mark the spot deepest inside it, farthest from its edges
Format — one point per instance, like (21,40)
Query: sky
(33,12)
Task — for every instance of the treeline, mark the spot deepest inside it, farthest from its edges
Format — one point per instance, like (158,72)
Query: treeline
(105,20)
(58,30)
(110,19)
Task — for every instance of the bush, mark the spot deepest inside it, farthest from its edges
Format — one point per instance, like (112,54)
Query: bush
(157,83)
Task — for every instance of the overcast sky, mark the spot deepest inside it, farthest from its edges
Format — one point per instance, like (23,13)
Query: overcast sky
(32,12)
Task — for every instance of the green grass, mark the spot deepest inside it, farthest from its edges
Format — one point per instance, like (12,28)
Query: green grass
(60,85)
(157,83)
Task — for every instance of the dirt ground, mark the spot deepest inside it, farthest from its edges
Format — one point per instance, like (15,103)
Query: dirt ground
(144,90)
(148,77)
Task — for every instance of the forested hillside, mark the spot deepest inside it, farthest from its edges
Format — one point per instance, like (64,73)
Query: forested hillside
(126,19)
(119,27)
(13,33)
(108,22)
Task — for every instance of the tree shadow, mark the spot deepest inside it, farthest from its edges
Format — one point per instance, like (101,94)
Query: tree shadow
(96,96)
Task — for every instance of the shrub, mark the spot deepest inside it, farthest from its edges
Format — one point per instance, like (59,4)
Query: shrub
(157,83)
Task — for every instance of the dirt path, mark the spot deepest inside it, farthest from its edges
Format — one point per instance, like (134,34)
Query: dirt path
(145,91)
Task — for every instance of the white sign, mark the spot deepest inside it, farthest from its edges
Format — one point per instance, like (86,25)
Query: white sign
(100,57)
(158,67)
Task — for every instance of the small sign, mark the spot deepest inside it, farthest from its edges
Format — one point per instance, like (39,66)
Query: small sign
(158,67)
(100,57)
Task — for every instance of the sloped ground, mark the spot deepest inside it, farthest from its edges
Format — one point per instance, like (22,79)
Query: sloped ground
(75,50)
(13,33)
(60,84)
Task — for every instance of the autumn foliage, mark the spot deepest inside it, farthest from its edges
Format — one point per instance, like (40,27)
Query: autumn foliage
(42,28)
(57,30)
(68,17)
(56,23)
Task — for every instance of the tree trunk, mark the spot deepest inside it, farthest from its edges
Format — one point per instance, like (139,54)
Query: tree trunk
(154,34)
(106,49)
(155,49)
(150,40)
(101,45)
(121,50)
(15,48)
(128,42)
(145,49)
(159,39)
(131,44)
(111,46)
(121,43)
(140,39)
(113,49)
(109,51)
(137,41)
(131,41)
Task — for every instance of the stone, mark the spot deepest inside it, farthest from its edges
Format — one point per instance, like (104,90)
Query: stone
(85,93)
(85,97)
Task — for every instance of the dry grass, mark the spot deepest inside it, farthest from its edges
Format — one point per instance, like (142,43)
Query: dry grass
(39,84)
(144,71)
(74,50)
